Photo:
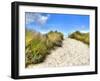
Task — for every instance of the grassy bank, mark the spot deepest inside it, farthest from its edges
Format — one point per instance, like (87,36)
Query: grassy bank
(84,37)
(38,45)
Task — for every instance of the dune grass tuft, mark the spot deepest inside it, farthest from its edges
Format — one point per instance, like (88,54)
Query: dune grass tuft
(84,37)
(38,46)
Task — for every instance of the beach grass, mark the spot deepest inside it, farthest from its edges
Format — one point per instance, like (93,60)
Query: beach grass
(83,37)
(38,45)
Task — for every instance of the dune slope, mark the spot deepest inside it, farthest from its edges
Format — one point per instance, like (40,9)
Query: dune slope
(72,53)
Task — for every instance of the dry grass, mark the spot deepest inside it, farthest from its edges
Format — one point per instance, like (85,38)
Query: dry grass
(38,45)
(84,37)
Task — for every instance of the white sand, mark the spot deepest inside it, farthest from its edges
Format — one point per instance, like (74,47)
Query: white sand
(72,53)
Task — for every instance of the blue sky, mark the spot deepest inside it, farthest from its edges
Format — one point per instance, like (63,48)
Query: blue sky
(65,23)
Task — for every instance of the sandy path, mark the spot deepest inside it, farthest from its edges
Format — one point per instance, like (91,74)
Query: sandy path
(71,53)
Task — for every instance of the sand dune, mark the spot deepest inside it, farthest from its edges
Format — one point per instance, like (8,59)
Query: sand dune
(72,53)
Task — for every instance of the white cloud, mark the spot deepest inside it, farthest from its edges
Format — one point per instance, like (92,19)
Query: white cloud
(77,27)
(29,18)
(37,18)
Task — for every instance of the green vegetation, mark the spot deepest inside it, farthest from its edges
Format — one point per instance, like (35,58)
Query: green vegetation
(84,37)
(38,46)
(55,37)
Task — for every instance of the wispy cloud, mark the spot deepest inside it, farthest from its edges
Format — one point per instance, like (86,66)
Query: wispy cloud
(79,27)
(37,18)
(83,27)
